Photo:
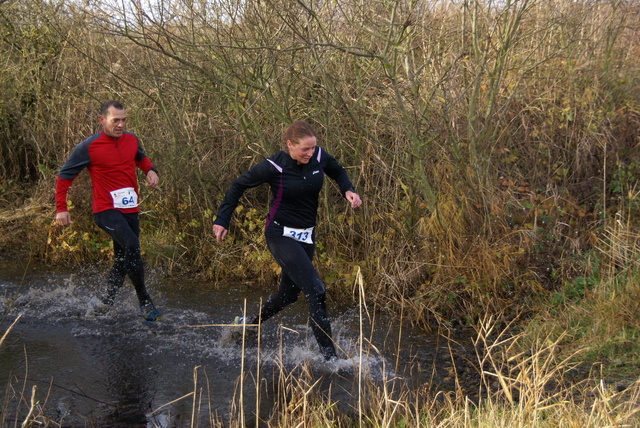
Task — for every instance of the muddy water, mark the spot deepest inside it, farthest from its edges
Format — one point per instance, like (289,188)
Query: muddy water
(115,370)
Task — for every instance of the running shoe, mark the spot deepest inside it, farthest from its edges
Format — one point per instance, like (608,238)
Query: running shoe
(101,308)
(240,320)
(149,311)
(110,294)
(98,308)
(251,330)
(246,321)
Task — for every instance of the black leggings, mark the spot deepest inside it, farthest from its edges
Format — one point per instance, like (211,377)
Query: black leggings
(298,274)
(124,229)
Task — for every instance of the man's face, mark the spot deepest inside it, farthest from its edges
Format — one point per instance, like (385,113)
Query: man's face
(113,122)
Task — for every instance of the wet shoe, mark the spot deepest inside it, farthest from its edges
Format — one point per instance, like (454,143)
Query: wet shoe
(250,330)
(110,294)
(246,321)
(97,308)
(240,320)
(101,308)
(328,353)
(149,311)
(104,303)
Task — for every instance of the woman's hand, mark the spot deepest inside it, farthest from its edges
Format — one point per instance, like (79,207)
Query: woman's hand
(220,232)
(353,198)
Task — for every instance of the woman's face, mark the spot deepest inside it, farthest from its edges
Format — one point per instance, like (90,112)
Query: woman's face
(302,151)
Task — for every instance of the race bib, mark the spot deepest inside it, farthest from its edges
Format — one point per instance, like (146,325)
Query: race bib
(301,235)
(124,198)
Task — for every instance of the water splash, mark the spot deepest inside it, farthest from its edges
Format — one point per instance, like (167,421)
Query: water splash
(113,363)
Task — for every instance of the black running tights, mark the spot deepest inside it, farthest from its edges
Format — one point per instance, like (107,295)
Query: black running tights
(298,274)
(124,229)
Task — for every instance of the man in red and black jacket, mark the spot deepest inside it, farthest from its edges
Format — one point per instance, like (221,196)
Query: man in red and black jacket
(111,157)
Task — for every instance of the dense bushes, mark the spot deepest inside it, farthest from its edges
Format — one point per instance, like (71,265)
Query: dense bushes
(492,144)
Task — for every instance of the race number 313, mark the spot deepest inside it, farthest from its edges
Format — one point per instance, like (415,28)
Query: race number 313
(301,235)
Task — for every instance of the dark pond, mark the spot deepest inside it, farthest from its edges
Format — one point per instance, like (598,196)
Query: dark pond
(115,370)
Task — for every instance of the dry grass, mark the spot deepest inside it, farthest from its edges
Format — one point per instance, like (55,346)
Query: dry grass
(537,387)
(489,142)
(525,379)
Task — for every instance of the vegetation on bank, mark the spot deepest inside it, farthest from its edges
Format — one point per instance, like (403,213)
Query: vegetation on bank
(495,145)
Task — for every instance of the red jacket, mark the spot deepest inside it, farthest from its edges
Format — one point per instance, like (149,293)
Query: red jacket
(111,163)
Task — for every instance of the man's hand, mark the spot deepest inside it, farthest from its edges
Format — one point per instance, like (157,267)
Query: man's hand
(152,179)
(63,218)
(353,198)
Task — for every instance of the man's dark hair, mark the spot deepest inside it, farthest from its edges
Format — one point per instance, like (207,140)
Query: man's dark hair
(111,103)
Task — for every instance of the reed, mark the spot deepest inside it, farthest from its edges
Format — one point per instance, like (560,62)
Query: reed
(523,381)
(33,403)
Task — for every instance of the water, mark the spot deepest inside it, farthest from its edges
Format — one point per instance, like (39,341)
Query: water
(115,370)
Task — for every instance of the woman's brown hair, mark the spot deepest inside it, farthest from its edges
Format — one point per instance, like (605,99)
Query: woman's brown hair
(296,131)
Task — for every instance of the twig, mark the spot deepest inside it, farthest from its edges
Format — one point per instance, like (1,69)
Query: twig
(4,336)
(217,325)
(27,423)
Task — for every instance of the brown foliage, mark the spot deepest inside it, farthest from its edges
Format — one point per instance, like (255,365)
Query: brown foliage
(490,143)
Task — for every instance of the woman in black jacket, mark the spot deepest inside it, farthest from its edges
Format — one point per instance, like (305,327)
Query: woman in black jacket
(295,176)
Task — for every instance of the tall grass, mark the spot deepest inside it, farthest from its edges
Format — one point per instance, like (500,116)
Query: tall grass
(523,380)
(527,379)
(533,388)
(597,314)
(30,402)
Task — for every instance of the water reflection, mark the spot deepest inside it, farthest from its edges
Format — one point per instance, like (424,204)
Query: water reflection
(129,379)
